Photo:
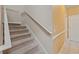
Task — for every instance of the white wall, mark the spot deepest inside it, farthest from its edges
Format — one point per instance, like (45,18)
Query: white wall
(16,7)
(42,14)
(14,16)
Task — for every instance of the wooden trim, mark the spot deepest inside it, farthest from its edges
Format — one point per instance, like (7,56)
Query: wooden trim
(54,37)
(58,43)
(6,40)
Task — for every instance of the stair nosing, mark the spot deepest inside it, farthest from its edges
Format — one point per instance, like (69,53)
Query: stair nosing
(17,35)
(17,26)
(18,30)
(15,23)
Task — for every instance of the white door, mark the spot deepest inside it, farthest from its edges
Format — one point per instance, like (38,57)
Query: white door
(74,27)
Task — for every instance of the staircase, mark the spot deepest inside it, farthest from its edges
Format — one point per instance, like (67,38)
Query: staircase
(21,40)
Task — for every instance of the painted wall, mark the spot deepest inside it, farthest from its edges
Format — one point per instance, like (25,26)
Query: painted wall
(16,7)
(42,14)
(59,19)
(14,16)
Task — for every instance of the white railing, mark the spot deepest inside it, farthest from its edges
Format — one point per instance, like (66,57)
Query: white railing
(7,40)
(41,26)
(54,37)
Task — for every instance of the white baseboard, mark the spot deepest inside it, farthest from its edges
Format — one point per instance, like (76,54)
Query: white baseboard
(15,22)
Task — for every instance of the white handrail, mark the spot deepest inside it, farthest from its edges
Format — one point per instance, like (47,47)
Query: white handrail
(6,29)
(25,13)
(7,41)
(58,34)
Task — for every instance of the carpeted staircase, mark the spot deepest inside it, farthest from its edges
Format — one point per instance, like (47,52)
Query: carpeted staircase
(22,40)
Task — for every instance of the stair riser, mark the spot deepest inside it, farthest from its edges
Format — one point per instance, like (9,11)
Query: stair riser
(19,32)
(16,28)
(21,37)
(13,25)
